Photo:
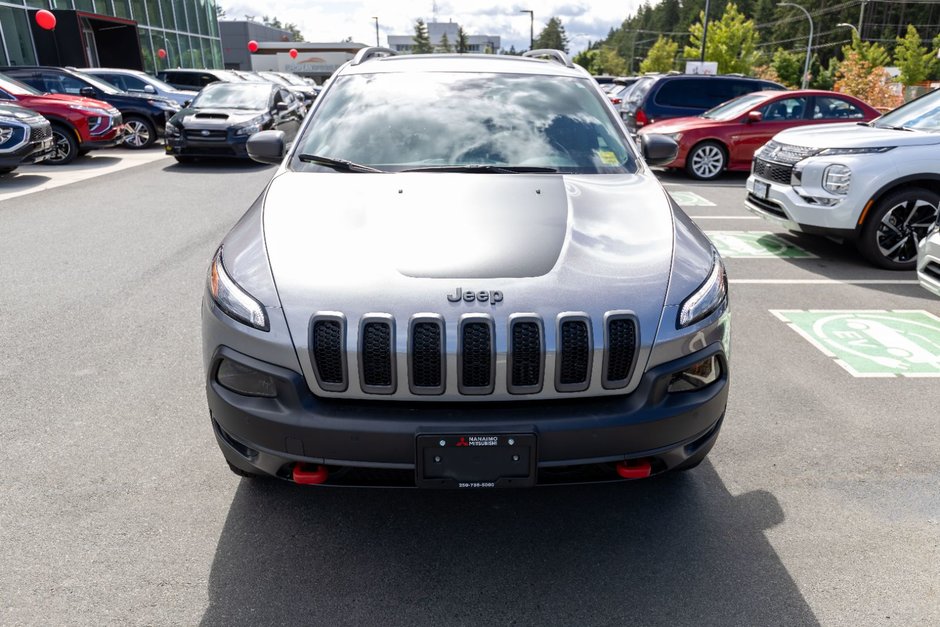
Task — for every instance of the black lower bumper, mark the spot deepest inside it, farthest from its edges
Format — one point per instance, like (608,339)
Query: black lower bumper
(32,152)
(268,435)
(233,147)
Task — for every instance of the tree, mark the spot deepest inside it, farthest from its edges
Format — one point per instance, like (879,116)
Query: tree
(788,67)
(445,46)
(912,58)
(661,57)
(732,42)
(858,78)
(874,53)
(552,36)
(219,11)
(273,22)
(422,39)
(463,42)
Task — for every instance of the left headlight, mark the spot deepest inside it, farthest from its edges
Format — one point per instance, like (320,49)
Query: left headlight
(836,179)
(708,298)
(251,126)
(171,130)
(232,299)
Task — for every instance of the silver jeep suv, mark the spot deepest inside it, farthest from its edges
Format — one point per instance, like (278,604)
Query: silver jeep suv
(496,294)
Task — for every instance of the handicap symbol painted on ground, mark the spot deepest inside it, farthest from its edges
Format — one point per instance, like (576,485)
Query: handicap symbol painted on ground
(755,245)
(691,199)
(873,343)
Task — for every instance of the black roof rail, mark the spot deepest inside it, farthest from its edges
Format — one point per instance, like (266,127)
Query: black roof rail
(556,55)
(370,53)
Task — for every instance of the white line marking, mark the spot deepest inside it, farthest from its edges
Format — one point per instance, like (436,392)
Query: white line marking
(37,178)
(824,282)
(726,217)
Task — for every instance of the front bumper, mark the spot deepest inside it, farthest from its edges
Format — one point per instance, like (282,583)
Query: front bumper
(928,263)
(786,208)
(31,152)
(269,435)
(230,146)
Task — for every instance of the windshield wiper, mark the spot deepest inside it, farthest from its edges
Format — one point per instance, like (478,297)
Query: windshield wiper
(337,164)
(485,169)
(893,128)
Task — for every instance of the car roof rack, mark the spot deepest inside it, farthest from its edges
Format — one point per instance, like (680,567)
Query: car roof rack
(371,52)
(556,55)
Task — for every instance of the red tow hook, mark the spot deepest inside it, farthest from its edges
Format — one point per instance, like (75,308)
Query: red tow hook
(305,476)
(634,468)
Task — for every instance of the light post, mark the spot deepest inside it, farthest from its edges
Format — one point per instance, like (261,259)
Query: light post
(853,27)
(376,29)
(809,44)
(531,27)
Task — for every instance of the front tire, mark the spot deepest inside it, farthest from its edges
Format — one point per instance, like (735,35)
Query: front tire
(139,133)
(896,224)
(706,161)
(65,146)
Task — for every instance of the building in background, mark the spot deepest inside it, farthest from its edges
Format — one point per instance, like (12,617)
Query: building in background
(112,33)
(489,44)
(235,35)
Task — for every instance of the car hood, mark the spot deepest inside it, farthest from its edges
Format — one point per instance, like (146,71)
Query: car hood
(214,117)
(401,243)
(65,100)
(853,135)
(680,125)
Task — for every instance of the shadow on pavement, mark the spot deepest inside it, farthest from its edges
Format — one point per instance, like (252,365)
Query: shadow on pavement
(672,551)
(206,165)
(679,177)
(17,181)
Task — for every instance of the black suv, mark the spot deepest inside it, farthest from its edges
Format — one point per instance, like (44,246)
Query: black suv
(144,116)
(25,137)
(197,79)
(665,96)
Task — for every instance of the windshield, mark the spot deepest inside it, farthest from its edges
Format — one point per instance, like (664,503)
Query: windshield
(293,80)
(107,88)
(274,78)
(640,89)
(16,88)
(401,121)
(922,114)
(734,108)
(233,96)
(156,82)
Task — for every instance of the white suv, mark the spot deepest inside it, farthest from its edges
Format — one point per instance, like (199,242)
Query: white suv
(877,183)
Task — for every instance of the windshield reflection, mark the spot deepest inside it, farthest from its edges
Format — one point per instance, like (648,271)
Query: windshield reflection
(233,96)
(407,120)
(922,114)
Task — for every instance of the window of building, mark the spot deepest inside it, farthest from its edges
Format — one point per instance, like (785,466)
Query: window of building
(15,37)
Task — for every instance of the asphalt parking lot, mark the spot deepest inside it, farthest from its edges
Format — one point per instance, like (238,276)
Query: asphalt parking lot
(820,503)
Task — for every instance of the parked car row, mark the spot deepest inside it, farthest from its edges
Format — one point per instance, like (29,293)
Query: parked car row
(103,107)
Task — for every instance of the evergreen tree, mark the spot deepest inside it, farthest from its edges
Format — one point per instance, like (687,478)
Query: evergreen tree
(552,36)
(661,57)
(422,40)
(912,58)
(463,43)
(874,53)
(789,67)
(445,46)
(732,42)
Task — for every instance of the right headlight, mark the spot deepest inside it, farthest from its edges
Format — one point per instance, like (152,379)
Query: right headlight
(232,299)
(171,130)
(708,298)
(836,179)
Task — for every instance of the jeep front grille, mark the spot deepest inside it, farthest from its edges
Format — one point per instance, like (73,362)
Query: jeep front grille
(516,348)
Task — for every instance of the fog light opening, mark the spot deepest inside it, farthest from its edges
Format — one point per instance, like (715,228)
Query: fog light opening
(245,380)
(309,475)
(635,468)
(696,376)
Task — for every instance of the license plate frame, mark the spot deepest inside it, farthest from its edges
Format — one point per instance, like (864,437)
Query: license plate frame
(476,460)
(761,189)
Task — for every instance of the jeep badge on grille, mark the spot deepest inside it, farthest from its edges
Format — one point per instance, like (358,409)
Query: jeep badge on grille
(492,296)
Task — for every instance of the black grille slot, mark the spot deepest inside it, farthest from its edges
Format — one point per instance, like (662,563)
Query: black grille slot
(426,355)
(526,350)
(932,269)
(377,354)
(476,356)
(766,205)
(575,353)
(206,135)
(621,348)
(328,352)
(772,171)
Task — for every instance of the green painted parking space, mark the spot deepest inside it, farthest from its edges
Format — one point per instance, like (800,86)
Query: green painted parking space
(755,245)
(690,199)
(875,343)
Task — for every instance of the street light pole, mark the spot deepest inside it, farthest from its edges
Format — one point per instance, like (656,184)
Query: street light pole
(852,26)
(809,44)
(531,27)
(376,29)
(704,32)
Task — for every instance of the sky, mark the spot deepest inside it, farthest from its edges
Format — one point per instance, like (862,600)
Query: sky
(335,20)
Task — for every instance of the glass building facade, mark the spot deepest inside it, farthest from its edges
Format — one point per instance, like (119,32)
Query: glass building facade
(188,30)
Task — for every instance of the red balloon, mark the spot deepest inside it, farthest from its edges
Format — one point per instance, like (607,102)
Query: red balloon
(45,19)
(293,53)
(252,46)
(161,53)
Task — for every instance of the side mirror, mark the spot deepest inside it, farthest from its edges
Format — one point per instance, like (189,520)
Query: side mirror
(267,147)
(149,89)
(658,149)
(88,92)
(186,103)
(754,116)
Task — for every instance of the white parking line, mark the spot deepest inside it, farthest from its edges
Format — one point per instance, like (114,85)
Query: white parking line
(725,217)
(824,281)
(37,178)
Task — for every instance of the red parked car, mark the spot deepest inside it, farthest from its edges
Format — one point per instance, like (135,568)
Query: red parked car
(726,137)
(78,124)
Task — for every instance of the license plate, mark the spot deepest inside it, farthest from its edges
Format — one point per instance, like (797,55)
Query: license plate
(761,189)
(476,460)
